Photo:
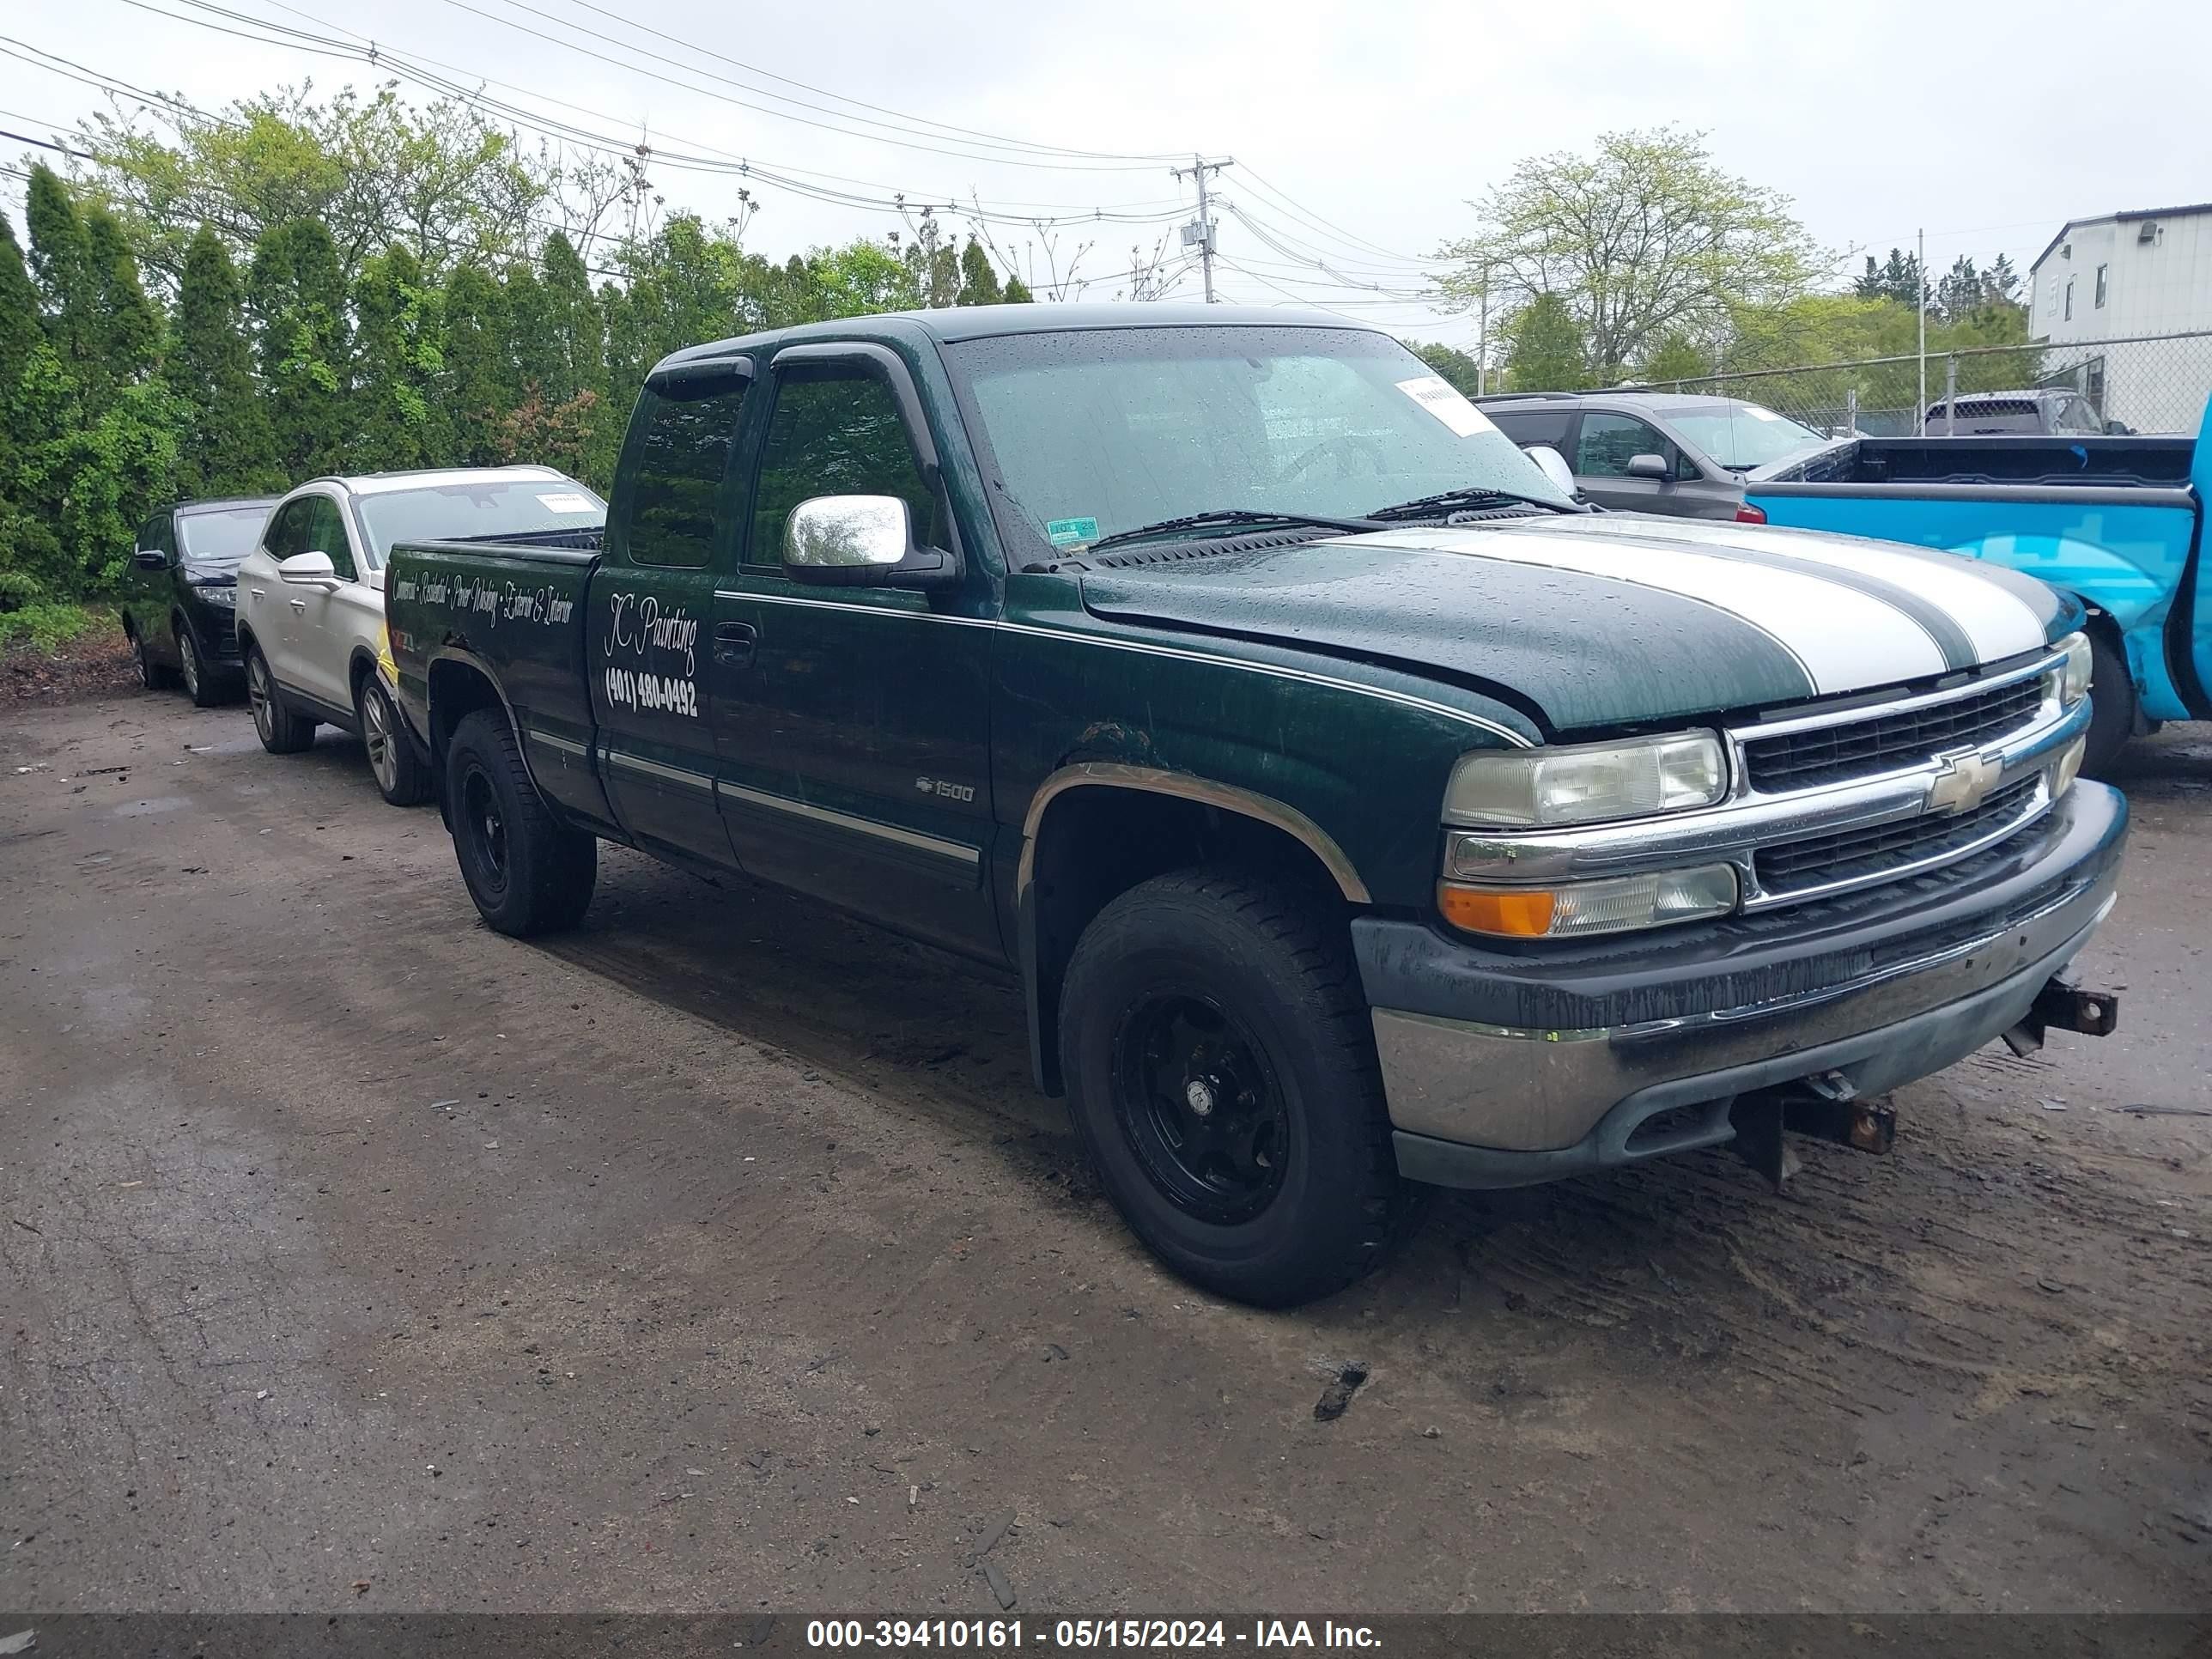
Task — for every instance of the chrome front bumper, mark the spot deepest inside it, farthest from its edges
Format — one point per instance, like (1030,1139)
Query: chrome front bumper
(1884,993)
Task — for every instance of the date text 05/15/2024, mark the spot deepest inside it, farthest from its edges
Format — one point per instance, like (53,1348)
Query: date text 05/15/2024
(1003,1635)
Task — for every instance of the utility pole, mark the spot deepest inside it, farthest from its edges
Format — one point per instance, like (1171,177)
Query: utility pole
(1920,259)
(1199,232)
(1482,337)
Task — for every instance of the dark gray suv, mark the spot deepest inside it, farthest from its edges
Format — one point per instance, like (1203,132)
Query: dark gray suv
(1655,451)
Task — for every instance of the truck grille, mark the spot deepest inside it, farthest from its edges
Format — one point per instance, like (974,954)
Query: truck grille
(1891,849)
(1883,743)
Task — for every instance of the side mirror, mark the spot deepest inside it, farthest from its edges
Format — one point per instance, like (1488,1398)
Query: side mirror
(150,558)
(1650,466)
(307,568)
(1554,466)
(859,541)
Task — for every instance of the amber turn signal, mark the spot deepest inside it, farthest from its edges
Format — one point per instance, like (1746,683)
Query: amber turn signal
(1491,910)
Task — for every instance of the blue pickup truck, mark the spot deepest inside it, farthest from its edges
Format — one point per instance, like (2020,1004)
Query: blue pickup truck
(2117,521)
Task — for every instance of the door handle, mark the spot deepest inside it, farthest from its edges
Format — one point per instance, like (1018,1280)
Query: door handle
(298,604)
(733,643)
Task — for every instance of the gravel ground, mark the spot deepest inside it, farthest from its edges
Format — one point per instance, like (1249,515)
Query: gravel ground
(719,1257)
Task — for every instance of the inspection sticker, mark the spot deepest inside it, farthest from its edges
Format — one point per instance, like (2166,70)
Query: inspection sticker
(1066,532)
(568,501)
(1442,399)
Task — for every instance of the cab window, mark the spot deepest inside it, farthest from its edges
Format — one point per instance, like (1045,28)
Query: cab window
(154,537)
(836,430)
(674,469)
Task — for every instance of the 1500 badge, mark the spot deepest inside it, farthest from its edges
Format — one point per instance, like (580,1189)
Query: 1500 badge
(945,791)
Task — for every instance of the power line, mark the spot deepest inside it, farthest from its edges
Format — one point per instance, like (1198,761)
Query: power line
(409,67)
(780,115)
(905,122)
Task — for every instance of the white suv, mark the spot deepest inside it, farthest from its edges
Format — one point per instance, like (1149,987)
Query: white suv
(311,595)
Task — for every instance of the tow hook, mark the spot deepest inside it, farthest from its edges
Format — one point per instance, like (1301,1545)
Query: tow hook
(2063,1008)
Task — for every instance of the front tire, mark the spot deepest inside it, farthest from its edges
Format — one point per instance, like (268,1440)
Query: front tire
(403,778)
(528,872)
(280,730)
(1221,1072)
(205,688)
(2111,707)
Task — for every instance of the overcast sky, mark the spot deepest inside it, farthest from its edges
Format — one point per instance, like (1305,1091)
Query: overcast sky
(1359,131)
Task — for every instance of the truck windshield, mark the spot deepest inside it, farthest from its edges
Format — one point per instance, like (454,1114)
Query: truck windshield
(459,511)
(1741,436)
(1095,431)
(220,538)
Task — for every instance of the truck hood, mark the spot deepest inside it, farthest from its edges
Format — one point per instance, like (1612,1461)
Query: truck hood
(1608,619)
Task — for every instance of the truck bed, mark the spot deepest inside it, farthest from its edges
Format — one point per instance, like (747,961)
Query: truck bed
(516,607)
(2000,459)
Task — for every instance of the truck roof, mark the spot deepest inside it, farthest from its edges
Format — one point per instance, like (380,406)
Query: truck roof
(952,323)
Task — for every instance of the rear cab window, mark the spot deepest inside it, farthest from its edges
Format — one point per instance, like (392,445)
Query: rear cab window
(675,473)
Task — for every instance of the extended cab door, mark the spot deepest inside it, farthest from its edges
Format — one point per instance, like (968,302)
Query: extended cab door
(856,752)
(649,611)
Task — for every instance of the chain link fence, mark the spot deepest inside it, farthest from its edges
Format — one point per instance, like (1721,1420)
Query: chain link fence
(2148,383)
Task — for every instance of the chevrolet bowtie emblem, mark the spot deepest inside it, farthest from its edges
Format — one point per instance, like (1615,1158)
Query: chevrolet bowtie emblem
(1963,779)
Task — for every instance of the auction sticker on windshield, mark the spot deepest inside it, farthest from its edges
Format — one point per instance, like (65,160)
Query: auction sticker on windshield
(1442,399)
(568,501)
(1066,532)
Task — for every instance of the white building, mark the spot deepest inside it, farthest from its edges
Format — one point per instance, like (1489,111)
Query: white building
(2118,279)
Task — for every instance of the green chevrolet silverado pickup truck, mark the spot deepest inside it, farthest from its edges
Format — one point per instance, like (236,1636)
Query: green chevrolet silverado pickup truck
(1360,813)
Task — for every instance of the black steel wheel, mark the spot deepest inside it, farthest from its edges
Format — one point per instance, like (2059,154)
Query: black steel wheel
(1200,1105)
(527,872)
(1221,1071)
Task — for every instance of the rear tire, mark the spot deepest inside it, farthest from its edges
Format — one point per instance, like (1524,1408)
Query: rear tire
(1221,1071)
(2112,706)
(152,676)
(528,872)
(281,732)
(402,777)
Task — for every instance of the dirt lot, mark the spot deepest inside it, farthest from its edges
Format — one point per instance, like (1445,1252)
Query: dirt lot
(719,1258)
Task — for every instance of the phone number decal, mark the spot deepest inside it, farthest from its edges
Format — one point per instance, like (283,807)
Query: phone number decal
(668,694)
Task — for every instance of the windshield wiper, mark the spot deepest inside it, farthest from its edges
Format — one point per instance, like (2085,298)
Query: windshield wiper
(1453,501)
(1224,518)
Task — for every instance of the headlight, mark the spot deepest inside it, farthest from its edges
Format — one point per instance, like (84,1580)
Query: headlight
(1587,782)
(1577,909)
(224,594)
(2070,679)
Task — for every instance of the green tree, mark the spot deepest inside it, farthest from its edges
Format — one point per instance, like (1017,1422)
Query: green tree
(21,330)
(1017,293)
(442,180)
(1897,278)
(62,271)
(474,390)
(1646,237)
(227,447)
(1678,357)
(127,338)
(399,419)
(1545,350)
(979,284)
(297,296)
(1455,366)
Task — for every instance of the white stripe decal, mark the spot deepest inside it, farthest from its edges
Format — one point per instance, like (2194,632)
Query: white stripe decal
(1846,639)
(1999,622)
